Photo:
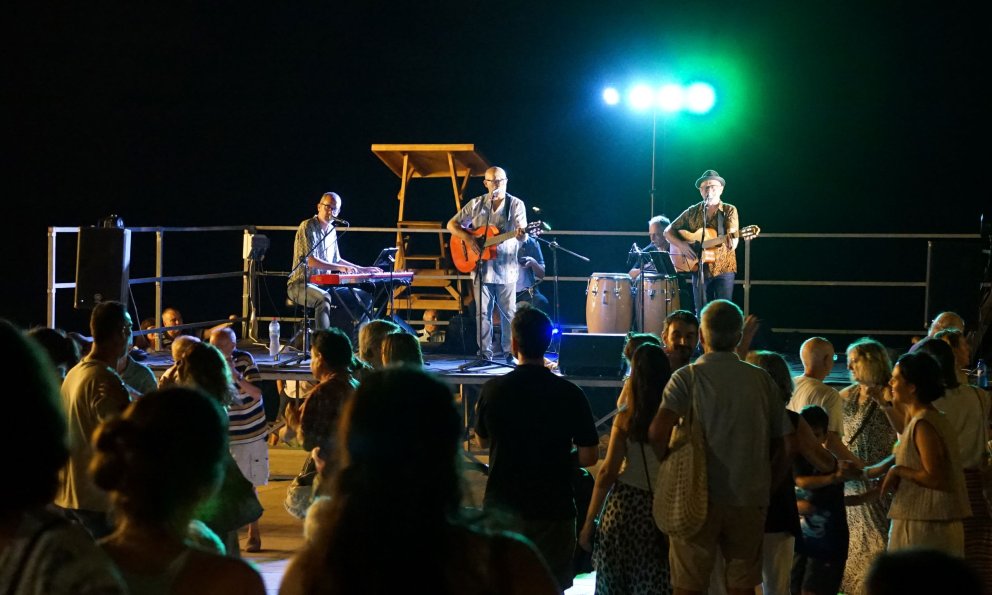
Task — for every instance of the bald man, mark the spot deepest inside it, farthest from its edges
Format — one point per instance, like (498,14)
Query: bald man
(497,278)
(942,321)
(817,355)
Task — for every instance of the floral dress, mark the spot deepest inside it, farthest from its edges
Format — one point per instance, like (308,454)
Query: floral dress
(868,523)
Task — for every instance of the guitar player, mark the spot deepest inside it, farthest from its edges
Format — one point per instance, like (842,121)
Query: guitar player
(497,277)
(719,216)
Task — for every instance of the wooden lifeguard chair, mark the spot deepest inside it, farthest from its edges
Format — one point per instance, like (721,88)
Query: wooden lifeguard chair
(458,162)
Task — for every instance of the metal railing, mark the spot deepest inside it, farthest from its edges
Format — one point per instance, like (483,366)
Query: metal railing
(747,280)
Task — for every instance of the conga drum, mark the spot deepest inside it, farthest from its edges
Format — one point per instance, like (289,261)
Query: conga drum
(609,303)
(658,298)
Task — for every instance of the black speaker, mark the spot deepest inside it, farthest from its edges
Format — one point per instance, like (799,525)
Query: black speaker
(103,261)
(592,354)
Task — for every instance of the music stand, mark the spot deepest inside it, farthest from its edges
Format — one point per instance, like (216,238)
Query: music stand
(662,262)
(386,258)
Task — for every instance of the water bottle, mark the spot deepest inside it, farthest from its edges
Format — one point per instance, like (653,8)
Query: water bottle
(274,338)
(981,374)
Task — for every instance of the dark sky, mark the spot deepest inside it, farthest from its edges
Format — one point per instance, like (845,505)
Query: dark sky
(831,117)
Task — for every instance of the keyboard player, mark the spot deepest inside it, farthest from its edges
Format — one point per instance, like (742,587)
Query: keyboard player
(347,305)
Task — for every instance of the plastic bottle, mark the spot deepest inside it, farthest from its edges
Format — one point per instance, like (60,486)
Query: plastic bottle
(981,374)
(274,338)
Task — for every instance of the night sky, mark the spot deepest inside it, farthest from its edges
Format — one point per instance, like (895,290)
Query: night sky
(830,117)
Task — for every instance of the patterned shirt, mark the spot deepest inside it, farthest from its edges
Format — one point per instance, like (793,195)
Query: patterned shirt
(691,220)
(308,235)
(504,269)
(246,414)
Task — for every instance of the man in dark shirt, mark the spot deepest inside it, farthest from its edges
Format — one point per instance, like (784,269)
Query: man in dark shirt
(530,419)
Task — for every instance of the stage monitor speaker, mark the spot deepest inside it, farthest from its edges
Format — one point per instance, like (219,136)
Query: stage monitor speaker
(592,354)
(103,261)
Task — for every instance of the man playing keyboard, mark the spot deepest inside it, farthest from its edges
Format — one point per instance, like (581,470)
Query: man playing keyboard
(319,231)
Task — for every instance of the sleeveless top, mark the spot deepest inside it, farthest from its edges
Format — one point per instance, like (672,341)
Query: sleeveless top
(157,584)
(916,503)
(632,472)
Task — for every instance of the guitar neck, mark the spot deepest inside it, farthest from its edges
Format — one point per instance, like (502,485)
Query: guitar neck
(712,242)
(493,240)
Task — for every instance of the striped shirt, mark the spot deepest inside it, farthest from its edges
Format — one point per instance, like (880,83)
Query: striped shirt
(246,414)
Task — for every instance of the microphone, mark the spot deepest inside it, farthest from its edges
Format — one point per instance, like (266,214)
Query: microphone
(634,249)
(339,221)
(537,210)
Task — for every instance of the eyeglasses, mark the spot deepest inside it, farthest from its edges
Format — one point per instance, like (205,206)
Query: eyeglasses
(326,206)
(497,181)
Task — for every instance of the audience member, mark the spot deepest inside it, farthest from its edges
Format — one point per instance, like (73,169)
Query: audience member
(632,344)
(62,350)
(92,393)
(736,404)
(402,349)
(247,425)
(157,476)
(817,356)
(630,552)
(962,351)
(180,347)
(40,551)
(942,321)
(529,419)
(680,337)
(368,542)
(967,410)
(205,367)
(171,317)
(928,480)
(870,437)
(370,337)
(822,552)
(782,528)
(921,571)
(330,359)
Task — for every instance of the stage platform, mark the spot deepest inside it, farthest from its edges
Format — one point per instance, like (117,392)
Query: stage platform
(289,367)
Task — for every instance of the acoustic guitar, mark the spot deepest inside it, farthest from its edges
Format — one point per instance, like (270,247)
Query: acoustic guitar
(489,238)
(705,241)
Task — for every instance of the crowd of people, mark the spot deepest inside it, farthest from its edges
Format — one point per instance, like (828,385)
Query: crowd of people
(142,487)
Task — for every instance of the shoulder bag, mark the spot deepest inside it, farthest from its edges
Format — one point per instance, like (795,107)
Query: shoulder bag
(681,494)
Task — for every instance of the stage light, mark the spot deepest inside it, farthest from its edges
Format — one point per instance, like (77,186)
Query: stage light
(611,96)
(670,98)
(700,98)
(641,97)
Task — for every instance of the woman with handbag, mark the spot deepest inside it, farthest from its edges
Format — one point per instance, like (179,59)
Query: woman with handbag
(630,554)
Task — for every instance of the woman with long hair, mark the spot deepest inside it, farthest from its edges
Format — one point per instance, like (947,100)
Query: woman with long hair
(159,462)
(630,554)
(870,436)
(402,429)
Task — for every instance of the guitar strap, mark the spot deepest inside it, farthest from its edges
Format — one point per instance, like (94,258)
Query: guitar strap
(720,220)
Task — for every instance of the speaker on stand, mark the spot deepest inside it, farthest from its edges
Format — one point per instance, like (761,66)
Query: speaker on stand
(103,262)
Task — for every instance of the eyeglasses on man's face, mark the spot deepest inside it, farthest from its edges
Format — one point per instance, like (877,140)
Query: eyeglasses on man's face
(496,181)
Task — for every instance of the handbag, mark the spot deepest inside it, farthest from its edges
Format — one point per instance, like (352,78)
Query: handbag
(299,494)
(234,505)
(681,496)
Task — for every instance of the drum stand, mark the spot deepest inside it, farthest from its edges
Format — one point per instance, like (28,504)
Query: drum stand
(555,247)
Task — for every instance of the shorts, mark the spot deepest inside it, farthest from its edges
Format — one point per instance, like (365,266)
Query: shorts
(738,531)
(253,460)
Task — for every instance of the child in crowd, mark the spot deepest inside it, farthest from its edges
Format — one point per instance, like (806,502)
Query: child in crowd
(820,557)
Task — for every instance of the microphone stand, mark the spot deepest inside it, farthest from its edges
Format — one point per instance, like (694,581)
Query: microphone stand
(555,247)
(304,354)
